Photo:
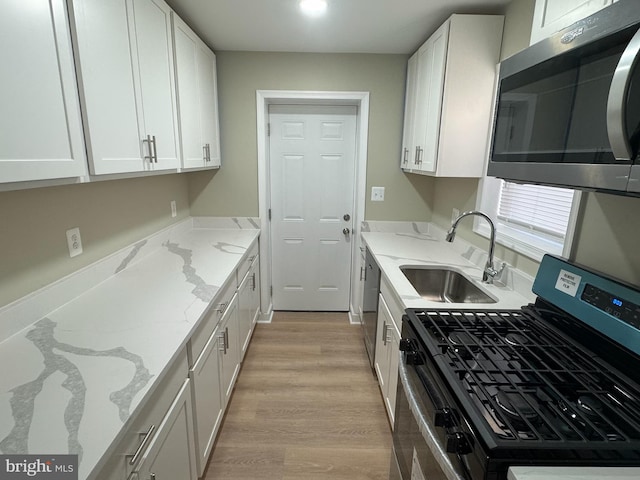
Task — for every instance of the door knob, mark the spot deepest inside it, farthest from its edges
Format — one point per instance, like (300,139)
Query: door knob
(347,217)
(346,231)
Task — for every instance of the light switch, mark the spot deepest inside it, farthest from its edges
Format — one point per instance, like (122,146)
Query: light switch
(377,194)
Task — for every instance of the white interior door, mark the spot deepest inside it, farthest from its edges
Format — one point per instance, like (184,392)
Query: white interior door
(312,160)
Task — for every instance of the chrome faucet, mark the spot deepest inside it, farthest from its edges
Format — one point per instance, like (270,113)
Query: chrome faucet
(489,273)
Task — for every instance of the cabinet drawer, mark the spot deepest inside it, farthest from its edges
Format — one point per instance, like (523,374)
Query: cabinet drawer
(244,267)
(395,306)
(151,415)
(201,336)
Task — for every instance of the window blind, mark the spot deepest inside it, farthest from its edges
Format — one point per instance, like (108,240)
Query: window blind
(535,207)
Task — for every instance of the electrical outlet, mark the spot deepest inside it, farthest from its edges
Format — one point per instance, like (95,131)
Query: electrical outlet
(174,212)
(74,242)
(455,213)
(377,194)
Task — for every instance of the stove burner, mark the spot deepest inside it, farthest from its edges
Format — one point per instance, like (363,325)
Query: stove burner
(516,408)
(464,344)
(516,340)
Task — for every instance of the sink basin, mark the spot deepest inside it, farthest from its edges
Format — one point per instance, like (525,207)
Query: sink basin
(444,285)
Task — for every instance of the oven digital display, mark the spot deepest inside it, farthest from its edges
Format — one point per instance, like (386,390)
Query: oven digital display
(620,308)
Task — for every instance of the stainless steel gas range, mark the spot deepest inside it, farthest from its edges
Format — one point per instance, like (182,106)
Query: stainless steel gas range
(555,383)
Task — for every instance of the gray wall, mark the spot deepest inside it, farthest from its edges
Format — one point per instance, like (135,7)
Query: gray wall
(110,215)
(234,189)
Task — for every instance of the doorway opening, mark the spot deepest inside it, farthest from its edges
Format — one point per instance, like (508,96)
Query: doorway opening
(264,100)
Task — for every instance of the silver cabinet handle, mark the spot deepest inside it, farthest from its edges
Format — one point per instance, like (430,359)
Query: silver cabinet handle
(223,347)
(150,149)
(204,153)
(152,476)
(143,445)
(226,339)
(420,152)
(617,95)
(253,282)
(362,272)
(346,231)
(207,152)
(155,149)
(384,332)
(405,159)
(415,158)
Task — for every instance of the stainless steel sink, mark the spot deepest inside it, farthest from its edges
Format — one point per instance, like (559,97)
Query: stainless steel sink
(444,285)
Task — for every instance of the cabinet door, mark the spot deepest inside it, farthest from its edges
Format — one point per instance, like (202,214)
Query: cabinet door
(207,80)
(382,350)
(197,98)
(393,343)
(186,51)
(431,72)
(406,159)
(248,305)
(230,352)
(171,455)
(157,83)
(104,44)
(429,153)
(126,69)
(40,126)
(207,399)
(551,16)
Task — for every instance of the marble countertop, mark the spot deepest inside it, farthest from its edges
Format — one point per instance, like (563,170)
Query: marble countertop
(573,473)
(85,369)
(394,250)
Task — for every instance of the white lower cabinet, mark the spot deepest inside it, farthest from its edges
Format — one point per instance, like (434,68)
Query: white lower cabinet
(248,305)
(171,453)
(230,358)
(207,398)
(386,357)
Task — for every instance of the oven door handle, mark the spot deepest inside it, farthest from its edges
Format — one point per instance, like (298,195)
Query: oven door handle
(426,430)
(616,102)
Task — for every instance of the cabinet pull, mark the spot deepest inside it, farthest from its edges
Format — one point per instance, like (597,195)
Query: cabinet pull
(406,156)
(223,347)
(152,476)
(208,152)
(204,153)
(253,282)
(143,445)
(226,339)
(420,152)
(155,149)
(148,142)
(415,157)
(384,332)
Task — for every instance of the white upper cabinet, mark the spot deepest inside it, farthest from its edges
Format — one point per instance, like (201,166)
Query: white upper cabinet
(449,99)
(551,16)
(40,124)
(125,66)
(197,98)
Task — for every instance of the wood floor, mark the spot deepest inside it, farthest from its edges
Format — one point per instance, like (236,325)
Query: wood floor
(306,406)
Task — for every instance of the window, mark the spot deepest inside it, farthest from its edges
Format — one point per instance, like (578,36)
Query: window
(530,219)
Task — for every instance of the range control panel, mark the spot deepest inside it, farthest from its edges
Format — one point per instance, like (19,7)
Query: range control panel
(620,308)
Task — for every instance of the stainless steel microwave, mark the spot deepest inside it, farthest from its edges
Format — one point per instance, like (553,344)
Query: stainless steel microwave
(568,107)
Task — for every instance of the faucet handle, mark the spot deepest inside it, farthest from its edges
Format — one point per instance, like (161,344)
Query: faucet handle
(491,273)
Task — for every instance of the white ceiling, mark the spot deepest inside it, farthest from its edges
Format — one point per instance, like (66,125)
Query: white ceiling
(353,26)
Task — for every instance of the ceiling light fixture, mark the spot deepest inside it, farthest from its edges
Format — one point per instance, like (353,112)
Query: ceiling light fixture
(313,8)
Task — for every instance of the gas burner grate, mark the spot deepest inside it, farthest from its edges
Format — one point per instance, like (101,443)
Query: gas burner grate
(528,380)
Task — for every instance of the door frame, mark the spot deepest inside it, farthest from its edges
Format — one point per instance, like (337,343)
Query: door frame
(264,98)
